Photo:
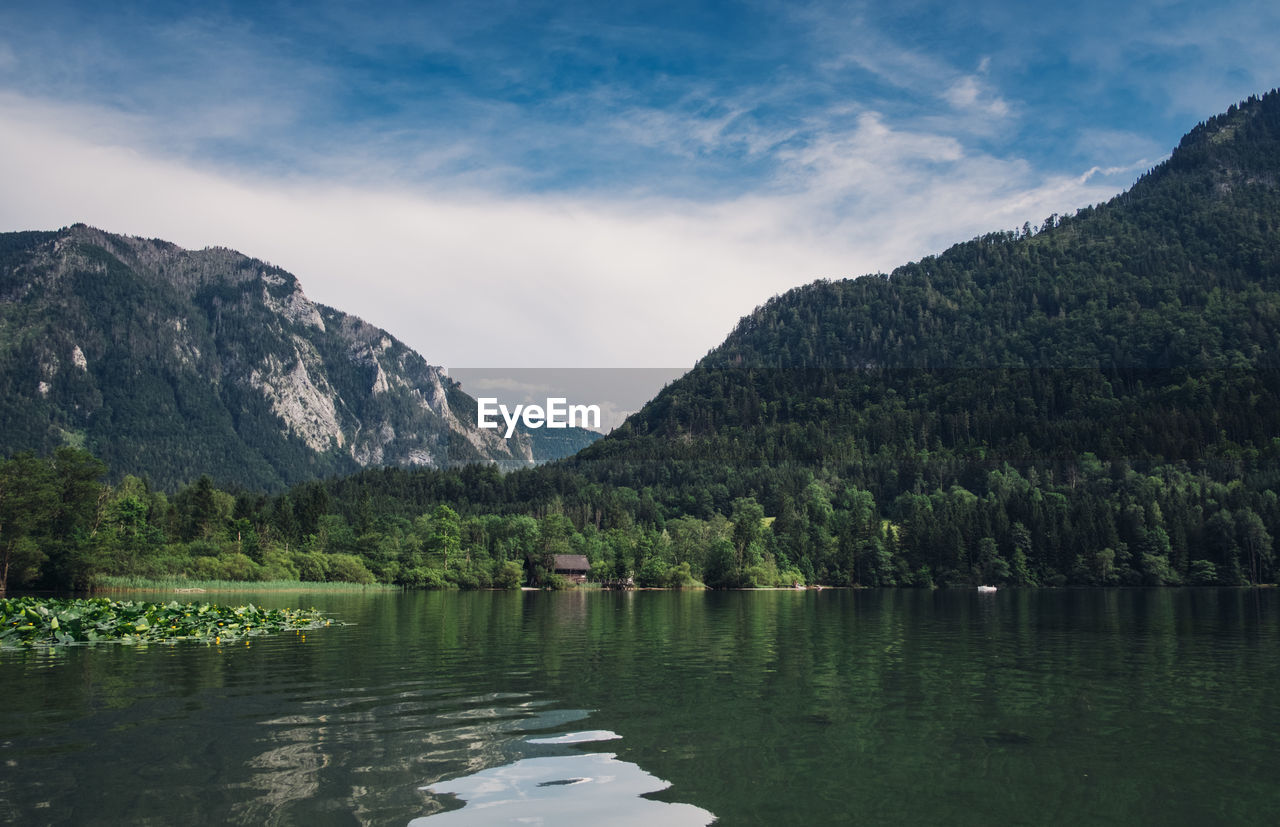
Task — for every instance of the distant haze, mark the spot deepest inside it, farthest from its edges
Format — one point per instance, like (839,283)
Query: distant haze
(619,392)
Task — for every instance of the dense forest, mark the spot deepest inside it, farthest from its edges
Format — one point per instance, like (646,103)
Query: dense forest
(1096,524)
(1093,401)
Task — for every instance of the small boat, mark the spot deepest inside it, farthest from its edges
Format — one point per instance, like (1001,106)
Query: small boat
(986,588)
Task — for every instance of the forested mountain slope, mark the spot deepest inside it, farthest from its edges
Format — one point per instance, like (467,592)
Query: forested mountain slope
(1096,401)
(173,363)
(1145,328)
(1104,387)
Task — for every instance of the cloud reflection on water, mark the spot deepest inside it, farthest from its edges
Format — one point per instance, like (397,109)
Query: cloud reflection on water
(584,788)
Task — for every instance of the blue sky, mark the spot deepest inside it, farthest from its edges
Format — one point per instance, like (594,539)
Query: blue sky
(594,185)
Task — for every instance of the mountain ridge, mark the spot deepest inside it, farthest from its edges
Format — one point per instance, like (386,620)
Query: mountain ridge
(141,350)
(1100,397)
(1093,403)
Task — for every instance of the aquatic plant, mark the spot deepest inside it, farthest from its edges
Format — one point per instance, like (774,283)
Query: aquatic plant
(32,621)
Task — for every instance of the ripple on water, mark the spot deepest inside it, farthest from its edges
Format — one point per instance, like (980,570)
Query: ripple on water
(426,734)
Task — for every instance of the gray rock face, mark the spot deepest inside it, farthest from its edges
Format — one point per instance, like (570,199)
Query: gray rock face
(172,363)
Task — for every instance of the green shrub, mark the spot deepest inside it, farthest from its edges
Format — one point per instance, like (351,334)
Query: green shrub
(678,577)
(239,567)
(462,578)
(1156,571)
(421,577)
(653,574)
(387,572)
(204,548)
(347,568)
(1202,573)
(601,570)
(312,566)
(757,577)
(923,578)
(278,564)
(208,568)
(790,577)
(508,575)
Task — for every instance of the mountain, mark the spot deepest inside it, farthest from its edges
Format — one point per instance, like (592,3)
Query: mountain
(1145,328)
(1094,400)
(173,363)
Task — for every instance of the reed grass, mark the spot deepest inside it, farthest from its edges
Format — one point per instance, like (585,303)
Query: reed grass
(105,584)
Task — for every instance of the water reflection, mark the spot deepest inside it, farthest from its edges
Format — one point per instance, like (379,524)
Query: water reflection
(463,734)
(591,788)
(1096,706)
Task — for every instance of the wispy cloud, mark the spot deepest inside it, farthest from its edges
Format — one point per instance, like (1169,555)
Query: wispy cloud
(479,277)
(590,184)
(967,93)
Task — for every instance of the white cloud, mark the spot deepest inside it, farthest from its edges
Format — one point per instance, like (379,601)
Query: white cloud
(922,76)
(880,56)
(478,276)
(679,134)
(968,94)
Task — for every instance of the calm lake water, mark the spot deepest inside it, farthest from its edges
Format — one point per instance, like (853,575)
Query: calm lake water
(1022,707)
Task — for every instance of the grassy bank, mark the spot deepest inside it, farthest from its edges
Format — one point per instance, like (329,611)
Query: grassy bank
(109,584)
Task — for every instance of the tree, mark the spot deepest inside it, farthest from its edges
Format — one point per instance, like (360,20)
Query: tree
(722,571)
(201,510)
(1221,541)
(28,501)
(443,544)
(990,568)
(1255,541)
(509,575)
(1155,559)
(76,518)
(1020,569)
(748,523)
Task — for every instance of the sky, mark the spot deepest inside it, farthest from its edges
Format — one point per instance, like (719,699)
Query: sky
(596,185)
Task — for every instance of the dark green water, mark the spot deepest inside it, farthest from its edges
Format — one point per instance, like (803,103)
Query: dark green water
(1064,707)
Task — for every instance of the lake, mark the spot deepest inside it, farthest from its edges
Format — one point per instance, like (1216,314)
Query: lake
(780,707)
